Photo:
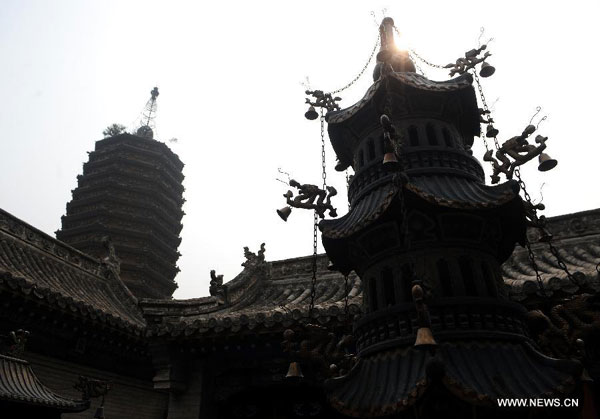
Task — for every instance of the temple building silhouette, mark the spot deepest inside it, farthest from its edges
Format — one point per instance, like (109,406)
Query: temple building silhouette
(439,295)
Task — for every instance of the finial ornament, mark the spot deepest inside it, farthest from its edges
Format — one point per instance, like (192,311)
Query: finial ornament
(386,34)
(390,58)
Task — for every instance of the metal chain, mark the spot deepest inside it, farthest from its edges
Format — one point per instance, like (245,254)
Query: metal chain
(348,187)
(418,67)
(517,174)
(423,60)
(488,112)
(553,249)
(530,253)
(346,296)
(561,262)
(323,166)
(313,286)
(359,75)
(535,266)
(413,52)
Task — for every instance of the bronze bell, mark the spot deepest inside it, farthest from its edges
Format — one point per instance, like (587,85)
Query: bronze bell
(311,113)
(99,413)
(294,371)
(486,70)
(284,213)
(425,337)
(546,162)
(491,132)
(390,158)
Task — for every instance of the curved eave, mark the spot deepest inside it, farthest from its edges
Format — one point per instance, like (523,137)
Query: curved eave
(19,384)
(477,373)
(456,99)
(413,80)
(458,192)
(366,211)
(447,191)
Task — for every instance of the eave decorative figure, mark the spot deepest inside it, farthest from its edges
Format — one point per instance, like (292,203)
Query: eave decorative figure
(428,228)
(470,61)
(307,194)
(217,289)
(520,151)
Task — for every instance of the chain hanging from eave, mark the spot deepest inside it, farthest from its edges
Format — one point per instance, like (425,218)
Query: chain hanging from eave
(417,66)
(530,253)
(399,178)
(489,121)
(486,111)
(412,53)
(313,285)
(346,297)
(359,75)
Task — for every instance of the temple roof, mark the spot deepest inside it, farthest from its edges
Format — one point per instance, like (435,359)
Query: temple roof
(268,296)
(258,294)
(414,80)
(577,238)
(45,269)
(451,192)
(412,95)
(383,383)
(18,383)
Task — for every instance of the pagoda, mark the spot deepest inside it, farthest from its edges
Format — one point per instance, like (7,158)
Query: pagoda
(427,237)
(130,196)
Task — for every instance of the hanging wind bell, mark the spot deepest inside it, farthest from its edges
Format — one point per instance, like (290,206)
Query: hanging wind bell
(390,160)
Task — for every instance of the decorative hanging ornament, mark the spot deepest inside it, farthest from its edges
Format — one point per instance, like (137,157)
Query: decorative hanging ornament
(425,337)
(294,371)
(470,60)
(307,195)
(491,132)
(321,100)
(486,69)
(390,160)
(546,162)
(517,151)
(284,213)
(311,113)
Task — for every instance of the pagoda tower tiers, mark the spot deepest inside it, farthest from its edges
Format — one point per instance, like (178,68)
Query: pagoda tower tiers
(131,193)
(427,236)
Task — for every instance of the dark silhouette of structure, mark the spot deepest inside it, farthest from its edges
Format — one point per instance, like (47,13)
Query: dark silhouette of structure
(423,307)
(131,191)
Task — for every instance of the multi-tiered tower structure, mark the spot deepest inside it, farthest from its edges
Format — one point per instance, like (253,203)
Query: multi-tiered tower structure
(428,227)
(130,192)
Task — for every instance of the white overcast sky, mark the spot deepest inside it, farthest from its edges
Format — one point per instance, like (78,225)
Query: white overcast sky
(230,75)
